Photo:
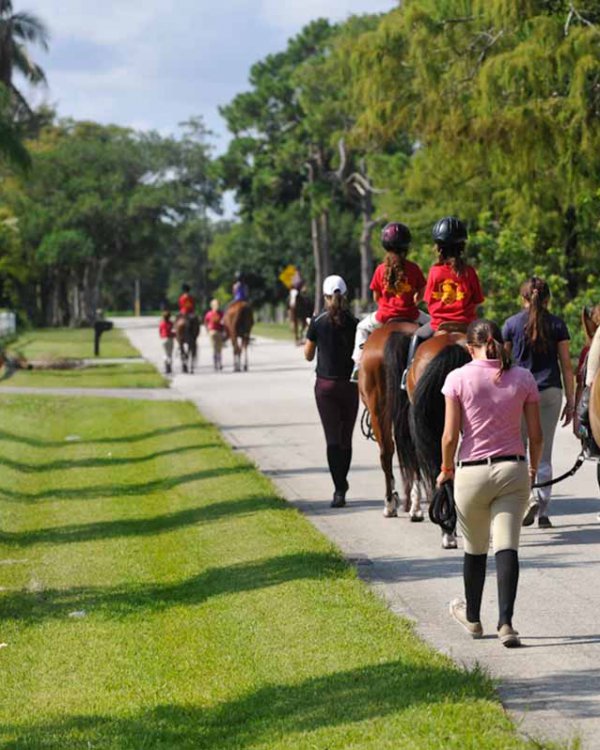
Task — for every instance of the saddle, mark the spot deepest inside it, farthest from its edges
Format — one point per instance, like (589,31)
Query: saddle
(449,327)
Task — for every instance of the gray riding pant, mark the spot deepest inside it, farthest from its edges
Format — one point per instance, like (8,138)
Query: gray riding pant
(550,407)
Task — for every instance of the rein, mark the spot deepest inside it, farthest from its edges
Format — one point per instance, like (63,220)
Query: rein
(365,425)
(573,470)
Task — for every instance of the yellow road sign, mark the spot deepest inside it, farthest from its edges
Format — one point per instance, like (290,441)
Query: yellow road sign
(287,275)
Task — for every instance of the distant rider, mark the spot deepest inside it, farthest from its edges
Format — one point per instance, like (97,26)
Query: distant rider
(239,288)
(187,303)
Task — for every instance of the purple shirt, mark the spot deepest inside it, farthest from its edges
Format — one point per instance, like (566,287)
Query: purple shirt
(491,409)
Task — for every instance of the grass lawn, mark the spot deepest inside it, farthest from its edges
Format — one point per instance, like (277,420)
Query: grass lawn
(73,343)
(274,331)
(158,594)
(135,375)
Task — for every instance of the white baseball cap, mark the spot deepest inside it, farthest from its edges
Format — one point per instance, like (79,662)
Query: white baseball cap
(333,284)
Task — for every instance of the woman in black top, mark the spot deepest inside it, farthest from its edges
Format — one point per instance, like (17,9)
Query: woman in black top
(331,336)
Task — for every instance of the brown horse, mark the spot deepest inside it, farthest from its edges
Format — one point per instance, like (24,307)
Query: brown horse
(382,364)
(238,321)
(299,314)
(591,322)
(187,330)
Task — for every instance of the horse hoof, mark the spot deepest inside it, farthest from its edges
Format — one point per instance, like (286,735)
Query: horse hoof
(416,517)
(390,512)
(449,541)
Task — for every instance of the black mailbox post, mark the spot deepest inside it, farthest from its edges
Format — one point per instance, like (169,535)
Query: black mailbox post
(99,327)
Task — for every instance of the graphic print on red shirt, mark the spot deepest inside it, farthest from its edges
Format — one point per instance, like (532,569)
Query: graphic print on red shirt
(452,297)
(187,304)
(399,302)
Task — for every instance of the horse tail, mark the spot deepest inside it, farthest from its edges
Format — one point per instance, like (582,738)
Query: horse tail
(428,410)
(395,416)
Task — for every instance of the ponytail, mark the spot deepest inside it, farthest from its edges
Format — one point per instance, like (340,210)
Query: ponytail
(486,333)
(337,306)
(536,292)
(452,256)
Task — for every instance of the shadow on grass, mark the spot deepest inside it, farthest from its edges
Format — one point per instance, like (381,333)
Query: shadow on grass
(135,438)
(270,715)
(121,601)
(133,527)
(122,490)
(88,463)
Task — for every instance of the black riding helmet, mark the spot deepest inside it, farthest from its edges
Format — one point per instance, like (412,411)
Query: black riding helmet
(395,236)
(449,231)
(185,288)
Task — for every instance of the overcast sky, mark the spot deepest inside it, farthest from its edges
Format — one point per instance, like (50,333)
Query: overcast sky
(151,64)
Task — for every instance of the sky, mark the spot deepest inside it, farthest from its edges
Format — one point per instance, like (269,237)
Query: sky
(151,64)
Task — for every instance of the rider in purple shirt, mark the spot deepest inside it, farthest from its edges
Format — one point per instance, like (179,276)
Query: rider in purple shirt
(240,289)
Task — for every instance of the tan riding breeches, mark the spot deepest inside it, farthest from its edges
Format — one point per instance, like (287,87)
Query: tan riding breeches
(216,339)
(491,497)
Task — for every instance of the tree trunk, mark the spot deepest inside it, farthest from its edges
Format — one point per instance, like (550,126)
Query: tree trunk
(316,246)
(571,251)
(366,251)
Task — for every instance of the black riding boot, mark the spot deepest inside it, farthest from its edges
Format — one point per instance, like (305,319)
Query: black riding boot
(346,460)
(474,579)
(507,572)
(412,348)
(336,468)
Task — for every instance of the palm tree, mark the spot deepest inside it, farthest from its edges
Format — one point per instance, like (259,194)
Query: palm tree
(17,31)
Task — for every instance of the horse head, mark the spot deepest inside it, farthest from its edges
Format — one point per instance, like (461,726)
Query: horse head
(590,320)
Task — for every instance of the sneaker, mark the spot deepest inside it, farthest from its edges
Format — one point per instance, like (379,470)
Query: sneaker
(339,500)
(509,637)
(354,376)
(531,513)
(458,610)
(544,522)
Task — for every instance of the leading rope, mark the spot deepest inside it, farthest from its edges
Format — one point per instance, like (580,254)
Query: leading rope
(573,470)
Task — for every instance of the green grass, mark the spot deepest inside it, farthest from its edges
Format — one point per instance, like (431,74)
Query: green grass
(72,343)
(213,614)
(280,331)
(135,375)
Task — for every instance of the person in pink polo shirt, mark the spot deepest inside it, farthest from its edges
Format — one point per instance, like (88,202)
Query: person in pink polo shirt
(486,400)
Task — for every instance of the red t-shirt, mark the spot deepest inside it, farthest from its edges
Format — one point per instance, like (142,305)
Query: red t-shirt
(451,297)
(213,320)
(187,304)
(398,302)
(165,329)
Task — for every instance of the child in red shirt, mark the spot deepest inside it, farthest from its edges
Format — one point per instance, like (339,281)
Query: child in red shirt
(166,333)
(187,304)
(453,290)
(397,287)
(213,320)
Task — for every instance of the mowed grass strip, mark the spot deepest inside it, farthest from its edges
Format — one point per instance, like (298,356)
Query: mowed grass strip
(138,375)
(72,343)
(157,593)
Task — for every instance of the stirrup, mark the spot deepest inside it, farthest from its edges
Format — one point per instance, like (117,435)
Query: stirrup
(403,382)
(354,375)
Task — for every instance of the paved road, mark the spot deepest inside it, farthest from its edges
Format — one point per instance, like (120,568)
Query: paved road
(552,685)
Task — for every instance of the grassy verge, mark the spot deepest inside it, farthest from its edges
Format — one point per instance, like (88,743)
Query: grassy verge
(138,375)
(279,331)
(158,594)
(72,343)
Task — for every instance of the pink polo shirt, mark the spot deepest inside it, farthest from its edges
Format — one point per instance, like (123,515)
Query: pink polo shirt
(491,409)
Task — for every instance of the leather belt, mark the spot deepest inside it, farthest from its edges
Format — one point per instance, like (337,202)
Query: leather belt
(491,460)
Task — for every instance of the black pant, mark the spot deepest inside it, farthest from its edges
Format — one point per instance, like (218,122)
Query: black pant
(337,402)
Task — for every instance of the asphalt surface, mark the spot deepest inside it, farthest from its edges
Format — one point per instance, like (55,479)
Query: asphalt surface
(551,686)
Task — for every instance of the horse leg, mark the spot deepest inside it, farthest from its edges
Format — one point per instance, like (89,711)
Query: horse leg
(183,355)
(245,343)
(236,356)
(415,512)
(386,456)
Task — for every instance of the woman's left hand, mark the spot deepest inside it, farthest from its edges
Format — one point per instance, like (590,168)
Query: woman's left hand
(444,476)
(567,414)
